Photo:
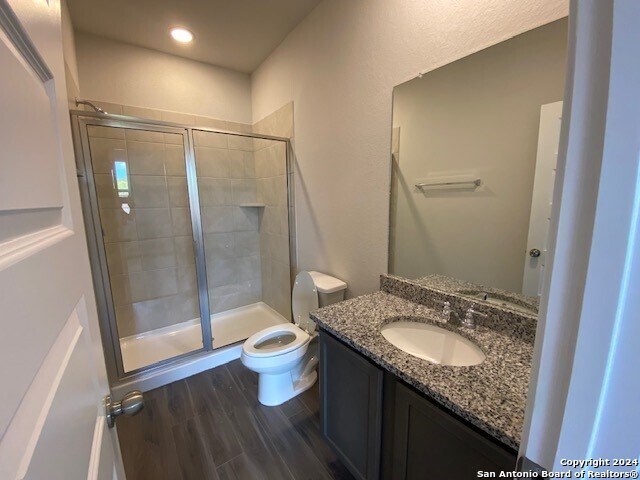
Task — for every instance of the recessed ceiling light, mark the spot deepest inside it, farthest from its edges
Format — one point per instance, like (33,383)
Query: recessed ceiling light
(181,35)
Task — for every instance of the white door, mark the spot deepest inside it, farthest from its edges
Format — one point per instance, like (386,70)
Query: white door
(52,371)
(542,199)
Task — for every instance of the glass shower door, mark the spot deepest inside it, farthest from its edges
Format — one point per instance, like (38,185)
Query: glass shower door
(242,188)
(140,187)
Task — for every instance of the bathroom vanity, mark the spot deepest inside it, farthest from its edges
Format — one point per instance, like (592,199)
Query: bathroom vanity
(428,378)
(390,414)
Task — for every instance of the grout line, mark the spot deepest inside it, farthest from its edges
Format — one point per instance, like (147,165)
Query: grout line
(230,460)
(165,431)
(263,429)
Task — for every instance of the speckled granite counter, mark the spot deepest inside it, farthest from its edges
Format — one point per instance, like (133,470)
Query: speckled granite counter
(461,287)
(490,396)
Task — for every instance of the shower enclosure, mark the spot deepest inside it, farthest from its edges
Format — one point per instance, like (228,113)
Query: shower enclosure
(188,233)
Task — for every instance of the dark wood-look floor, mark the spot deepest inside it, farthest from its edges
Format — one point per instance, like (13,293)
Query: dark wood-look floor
(211,426)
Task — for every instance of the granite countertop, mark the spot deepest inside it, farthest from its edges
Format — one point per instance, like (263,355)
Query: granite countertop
(456,286)
(491,396)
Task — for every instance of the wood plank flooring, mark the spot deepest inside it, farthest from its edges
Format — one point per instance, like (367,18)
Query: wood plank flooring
(211,426)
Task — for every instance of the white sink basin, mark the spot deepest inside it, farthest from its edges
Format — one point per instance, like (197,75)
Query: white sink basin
(433,343)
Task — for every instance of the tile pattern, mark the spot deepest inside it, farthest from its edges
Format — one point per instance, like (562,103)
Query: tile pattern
(212,426)
(491,395)
(226,170)
(274,227)
(277,229)
(164,115)
(146,227)
(248,250)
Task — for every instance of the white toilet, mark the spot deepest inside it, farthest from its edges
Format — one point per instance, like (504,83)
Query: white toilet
(285,356)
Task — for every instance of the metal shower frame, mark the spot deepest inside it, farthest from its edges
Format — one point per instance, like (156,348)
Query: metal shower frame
(80,121)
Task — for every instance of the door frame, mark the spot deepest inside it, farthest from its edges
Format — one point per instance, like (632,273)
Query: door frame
(545,130)
(53,421)
(80,121)
(582,400)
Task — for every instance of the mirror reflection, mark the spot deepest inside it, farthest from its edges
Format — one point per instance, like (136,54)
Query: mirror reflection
(474,149)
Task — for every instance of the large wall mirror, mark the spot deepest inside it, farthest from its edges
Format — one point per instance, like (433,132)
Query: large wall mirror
(474,149)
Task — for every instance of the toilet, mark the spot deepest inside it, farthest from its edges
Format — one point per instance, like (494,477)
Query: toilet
(285,356)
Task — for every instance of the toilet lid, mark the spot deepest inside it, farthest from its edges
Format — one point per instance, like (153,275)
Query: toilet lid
(303,300)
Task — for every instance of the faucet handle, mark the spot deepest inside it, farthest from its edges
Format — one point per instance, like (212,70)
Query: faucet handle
(446,306)
(469,320)
(473,311)
(446,309)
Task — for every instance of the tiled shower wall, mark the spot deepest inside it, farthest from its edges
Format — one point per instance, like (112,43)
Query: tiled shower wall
(230,220)
(246,246)
(271,180)
(277,246)
(147,233)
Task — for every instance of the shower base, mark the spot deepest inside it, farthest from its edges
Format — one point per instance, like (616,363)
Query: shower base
(227,328)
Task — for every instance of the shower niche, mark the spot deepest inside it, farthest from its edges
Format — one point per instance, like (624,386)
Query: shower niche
(189,237)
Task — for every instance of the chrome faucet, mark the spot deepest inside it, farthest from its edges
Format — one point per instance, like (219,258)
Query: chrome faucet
(468,321)
(447,311)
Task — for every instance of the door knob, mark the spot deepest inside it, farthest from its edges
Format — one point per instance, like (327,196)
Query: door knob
(534,252)
(130,405)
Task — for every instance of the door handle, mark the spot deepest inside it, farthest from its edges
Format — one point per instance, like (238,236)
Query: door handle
(534,252)
(130,405)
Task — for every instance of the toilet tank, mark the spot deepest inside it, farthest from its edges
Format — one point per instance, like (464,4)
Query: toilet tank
(330,289)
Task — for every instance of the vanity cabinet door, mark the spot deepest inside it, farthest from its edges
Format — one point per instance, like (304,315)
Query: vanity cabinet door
(431,444)
(351,407)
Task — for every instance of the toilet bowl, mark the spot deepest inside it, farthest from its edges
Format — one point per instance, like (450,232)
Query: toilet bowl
(285,356)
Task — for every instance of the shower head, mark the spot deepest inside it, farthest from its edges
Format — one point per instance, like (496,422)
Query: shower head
(80,101)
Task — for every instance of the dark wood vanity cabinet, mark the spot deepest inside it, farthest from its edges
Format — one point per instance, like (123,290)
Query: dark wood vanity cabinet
(351,407)
(429,443)
(381,428)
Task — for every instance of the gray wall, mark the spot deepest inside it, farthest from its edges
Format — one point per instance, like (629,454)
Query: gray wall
(476,116)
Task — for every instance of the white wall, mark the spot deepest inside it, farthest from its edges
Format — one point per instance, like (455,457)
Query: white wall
(339,66)
(118,73)
(69,52)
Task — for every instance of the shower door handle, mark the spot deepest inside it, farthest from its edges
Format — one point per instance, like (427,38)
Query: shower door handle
(130,405)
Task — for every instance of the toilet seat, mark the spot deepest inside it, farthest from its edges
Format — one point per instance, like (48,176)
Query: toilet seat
(284,356)
(252,348)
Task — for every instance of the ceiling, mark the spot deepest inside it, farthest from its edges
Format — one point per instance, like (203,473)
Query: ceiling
(235,34)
